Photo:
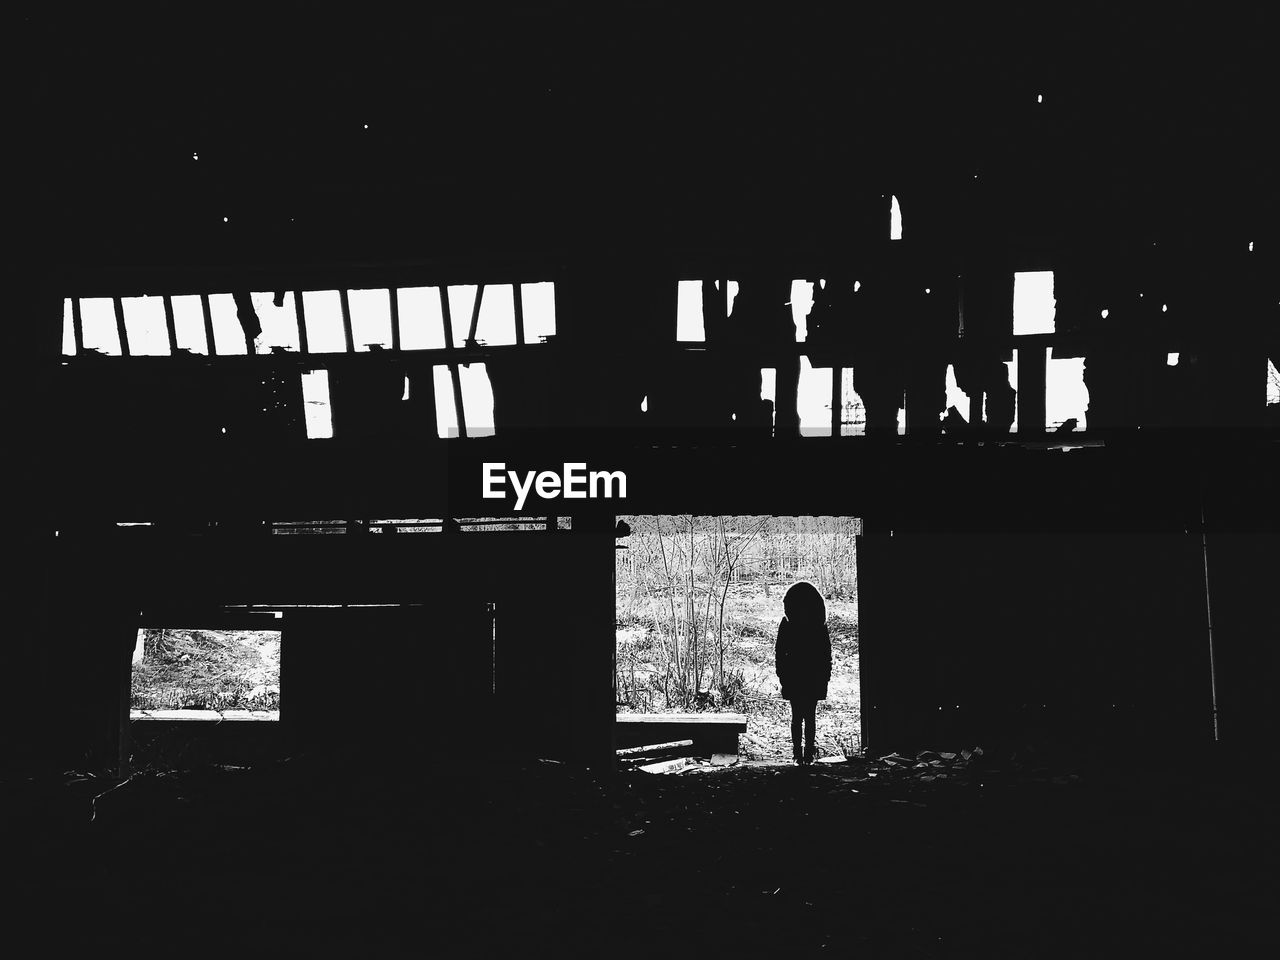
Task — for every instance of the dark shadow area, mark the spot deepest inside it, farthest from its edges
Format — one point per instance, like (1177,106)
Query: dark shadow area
(298,272)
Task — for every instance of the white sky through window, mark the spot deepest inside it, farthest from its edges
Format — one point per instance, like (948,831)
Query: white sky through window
(370,318)
(317,413)
(539,306)
(462,298)
(144,324)
(955,396)
(813,400)
(68,330)
(279,324)
(228,335)
(689,324)
(1012,367)
(421,328)
(1066,396)
(497,325)
(801,304)
(188,324)
(477,399)
(325,333)
(1034,305)
(421,320)
(98,322)
(446,412)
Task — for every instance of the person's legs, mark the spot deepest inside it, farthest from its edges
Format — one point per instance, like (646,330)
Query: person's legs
(797,721)
(810,729)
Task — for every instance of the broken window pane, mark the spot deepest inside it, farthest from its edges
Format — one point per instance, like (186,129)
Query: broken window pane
(68,330)
(1066,396)
(956,397)
(370,318)
(98,319)
(1012,366)
(188,323)
(497,324)
(733,292)
(421,321)
(446,413)
(1033,302)
(768,384)
(689,321)
(477,399)
(325,331)
(853,414)
(801,304)
(813,400)
(462,299)
(318,414)
(279,324)
(228,335)
(538,301)
(145,326)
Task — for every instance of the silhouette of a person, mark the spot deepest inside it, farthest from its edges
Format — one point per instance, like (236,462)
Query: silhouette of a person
(802,657)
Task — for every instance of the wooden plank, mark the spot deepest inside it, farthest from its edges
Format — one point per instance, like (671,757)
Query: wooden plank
(121,331)
(394,294)
(1031,385)
(667,766)
(347,333)
(475,315)
(77,325)
(518,299)
(836,375)
(205,716)
(654,748)
(658,719)
(459,413)
(170,325)
(301,312)
(208,325)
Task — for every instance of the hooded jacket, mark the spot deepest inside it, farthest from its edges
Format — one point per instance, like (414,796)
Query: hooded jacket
(802,654)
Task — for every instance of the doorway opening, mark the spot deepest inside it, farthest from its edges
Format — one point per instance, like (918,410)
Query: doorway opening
(698,603)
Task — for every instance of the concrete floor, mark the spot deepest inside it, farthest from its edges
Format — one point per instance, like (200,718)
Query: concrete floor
(500,857)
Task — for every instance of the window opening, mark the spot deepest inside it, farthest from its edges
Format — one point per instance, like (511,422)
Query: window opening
(370,319)
(192,674)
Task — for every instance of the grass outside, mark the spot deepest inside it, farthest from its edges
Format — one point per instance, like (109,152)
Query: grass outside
(207,670)
(756,610)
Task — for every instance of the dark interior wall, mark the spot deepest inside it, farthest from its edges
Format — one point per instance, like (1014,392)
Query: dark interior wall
(1243,573)
(755,137)
(400,681)
(1031,640)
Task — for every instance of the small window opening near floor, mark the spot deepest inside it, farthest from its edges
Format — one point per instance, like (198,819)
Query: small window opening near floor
(698,602)
(181,673)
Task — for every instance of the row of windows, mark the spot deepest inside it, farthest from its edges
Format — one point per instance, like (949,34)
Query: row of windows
(314,321)
(409,318)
